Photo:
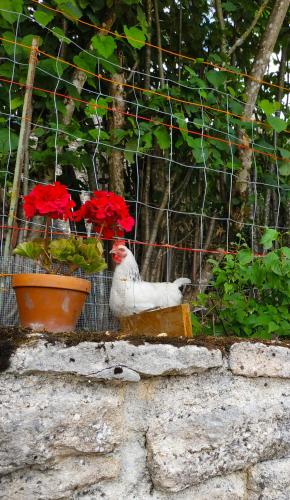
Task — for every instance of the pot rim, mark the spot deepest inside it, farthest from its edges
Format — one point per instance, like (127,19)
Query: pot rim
(51,281)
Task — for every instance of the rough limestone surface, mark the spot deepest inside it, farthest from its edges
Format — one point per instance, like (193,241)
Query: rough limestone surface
(259,360)
(141,422)
(104,359)
(270,480)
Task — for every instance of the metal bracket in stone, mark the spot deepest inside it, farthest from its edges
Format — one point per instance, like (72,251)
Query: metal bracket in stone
(118,372)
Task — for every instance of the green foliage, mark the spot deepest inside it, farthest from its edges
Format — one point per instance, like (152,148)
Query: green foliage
(251,294)
(64,256)
(277,124)
(135,37)
(105,45)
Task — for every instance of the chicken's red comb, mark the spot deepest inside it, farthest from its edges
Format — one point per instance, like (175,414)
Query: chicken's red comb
(118,243)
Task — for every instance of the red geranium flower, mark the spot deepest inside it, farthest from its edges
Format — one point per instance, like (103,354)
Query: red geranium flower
(108,212)
(52,201)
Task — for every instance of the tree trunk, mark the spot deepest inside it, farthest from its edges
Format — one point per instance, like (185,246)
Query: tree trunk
(117,121)
(261,62)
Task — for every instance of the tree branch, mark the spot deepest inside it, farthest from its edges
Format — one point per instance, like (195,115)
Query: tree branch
(245,35)
(158,33)
(261,62)
(220,16)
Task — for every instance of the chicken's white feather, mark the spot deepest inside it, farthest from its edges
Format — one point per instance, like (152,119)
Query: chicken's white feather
(130,294)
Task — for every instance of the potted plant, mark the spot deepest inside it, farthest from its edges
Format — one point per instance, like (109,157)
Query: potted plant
(53,301)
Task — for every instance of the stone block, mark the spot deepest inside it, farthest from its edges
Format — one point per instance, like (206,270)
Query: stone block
(269,480)
(259,360)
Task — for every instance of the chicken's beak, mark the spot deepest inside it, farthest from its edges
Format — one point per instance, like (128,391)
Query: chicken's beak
(112,251)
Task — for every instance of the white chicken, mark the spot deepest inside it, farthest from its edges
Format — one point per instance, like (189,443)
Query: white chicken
(130,295)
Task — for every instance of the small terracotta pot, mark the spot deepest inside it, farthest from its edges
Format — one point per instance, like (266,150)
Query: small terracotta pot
(50,302)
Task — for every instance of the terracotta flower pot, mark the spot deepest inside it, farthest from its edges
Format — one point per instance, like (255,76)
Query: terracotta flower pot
(50,302)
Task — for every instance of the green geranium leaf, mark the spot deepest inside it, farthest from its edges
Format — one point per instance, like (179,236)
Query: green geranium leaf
(29,249)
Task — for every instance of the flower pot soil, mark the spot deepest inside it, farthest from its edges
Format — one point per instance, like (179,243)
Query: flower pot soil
(48,302)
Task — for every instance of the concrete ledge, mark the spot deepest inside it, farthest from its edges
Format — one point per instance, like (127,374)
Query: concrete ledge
(115,360)
(259,360)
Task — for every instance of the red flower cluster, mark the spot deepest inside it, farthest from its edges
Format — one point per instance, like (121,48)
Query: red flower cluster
(52,201)
(108,212)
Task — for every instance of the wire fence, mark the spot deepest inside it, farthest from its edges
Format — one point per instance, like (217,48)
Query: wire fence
(212,131)
(96,315)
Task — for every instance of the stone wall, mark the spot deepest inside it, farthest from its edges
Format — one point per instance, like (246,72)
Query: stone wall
(117,421)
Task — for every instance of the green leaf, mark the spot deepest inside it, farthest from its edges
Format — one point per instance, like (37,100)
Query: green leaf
(268,107)
(52,66)
(97,134)
(162,136)
(12,5)
(284,169)
(135,37)
(229,6)
(142,19)
(277,124)
(69,8)
(286,252)
(29,249)
(60,35)
(285,153)
(130,150)
(245,256)
(8,47)
(43,17)
(216,78)
(85,61)
(16,102)
(268,237)
(99,106)
(6,140)
(105,45)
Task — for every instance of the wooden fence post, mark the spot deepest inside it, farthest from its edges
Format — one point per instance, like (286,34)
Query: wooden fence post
(22,144)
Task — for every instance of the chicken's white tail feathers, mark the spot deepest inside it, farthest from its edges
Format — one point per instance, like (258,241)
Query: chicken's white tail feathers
(182,281)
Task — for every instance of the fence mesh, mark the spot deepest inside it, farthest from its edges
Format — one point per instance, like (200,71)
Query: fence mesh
(204,119)
(96,315)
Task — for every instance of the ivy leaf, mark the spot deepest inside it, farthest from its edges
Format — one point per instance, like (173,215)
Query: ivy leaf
(163,137)
(5,140)
(135,37)
(277,124)
(130,150)
(142,19)
(16,102)
(104,45)
(69,9)
(268,107)
(229,6)
(60,35)
(216,78)
(285,169)
(11,5)
(85,61)
(42,17)
(245,256)
(268,237)
(286,252)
